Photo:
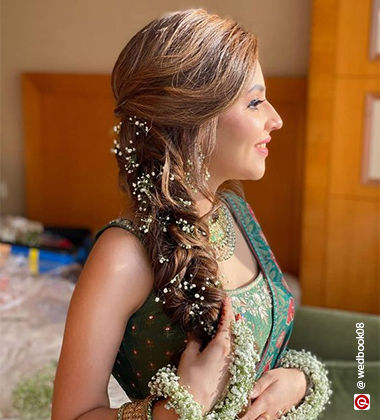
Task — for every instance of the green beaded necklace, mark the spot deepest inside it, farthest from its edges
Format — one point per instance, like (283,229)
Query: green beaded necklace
(222,234)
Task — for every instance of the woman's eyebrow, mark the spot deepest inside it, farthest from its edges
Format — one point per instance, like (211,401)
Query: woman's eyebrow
(257,86)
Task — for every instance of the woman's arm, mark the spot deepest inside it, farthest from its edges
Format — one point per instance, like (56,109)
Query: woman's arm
(159,412)
(100,413)
(113,284)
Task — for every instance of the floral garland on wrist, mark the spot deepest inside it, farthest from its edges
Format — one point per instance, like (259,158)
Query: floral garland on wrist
(243,374)
(242,368)
(319,387)
(165,383)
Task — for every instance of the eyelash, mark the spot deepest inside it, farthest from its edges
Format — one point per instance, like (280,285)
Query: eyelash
(258,101)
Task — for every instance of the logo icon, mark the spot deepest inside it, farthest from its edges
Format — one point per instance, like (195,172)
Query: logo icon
(361,401)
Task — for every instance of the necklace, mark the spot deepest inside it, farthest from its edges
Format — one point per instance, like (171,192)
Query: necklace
(223,237)
(222,234)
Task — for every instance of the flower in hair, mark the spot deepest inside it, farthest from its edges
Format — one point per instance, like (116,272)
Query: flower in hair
(129,153)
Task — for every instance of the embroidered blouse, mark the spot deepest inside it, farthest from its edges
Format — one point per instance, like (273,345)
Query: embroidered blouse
(151,340)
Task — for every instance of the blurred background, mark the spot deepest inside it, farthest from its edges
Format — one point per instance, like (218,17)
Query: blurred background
(318,202)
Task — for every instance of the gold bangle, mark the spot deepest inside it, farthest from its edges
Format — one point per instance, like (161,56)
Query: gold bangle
(136,410)
(120,411)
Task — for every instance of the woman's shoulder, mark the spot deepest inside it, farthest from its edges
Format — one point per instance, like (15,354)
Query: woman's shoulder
(119,243)
(124,223)
(123,239)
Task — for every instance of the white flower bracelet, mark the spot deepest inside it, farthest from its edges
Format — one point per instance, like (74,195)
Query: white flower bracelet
(243,377)
(242,368)
(165,384)
(243,374)
(319,387)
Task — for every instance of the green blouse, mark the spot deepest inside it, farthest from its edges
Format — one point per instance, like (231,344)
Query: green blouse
(151,340)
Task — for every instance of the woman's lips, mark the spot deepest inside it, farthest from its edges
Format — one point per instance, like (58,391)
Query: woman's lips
(267,140)
(263,150)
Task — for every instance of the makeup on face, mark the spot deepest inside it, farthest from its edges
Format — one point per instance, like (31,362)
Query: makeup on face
(261,146)
(262,149)
(258,87)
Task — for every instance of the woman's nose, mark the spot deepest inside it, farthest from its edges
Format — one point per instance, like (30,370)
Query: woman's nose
(276,120)
(278,123)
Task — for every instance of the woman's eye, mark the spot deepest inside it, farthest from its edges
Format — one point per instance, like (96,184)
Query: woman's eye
(254,103)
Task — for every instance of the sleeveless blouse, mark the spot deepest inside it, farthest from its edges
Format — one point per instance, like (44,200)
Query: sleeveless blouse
(151,340)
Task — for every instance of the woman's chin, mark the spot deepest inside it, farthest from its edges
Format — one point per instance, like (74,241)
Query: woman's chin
(253,176)
(258,172)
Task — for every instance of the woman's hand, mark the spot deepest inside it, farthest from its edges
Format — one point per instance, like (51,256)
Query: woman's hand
(277,389)
(206,373)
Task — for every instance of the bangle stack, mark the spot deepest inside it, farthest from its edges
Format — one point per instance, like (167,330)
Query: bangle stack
(319,387)
(136,410)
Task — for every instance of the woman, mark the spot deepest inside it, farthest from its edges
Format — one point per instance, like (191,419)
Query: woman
(191,101)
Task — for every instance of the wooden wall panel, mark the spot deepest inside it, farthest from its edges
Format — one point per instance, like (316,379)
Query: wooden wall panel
(347,143)
(353,37)
(71,175)
(319,134)
(341,221)
(352,255)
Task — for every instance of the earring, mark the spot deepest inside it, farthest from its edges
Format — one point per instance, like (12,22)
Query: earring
(188,176)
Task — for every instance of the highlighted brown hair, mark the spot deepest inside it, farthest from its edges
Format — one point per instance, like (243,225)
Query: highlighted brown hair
(179,73)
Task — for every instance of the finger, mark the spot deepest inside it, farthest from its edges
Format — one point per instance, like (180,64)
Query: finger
(229,310)
(280,413)
(265,402)
(223,331)
(193,343)
(226,317)
(261,385)
(258,407)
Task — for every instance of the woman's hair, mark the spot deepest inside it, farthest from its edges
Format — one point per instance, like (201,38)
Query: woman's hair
(178,74)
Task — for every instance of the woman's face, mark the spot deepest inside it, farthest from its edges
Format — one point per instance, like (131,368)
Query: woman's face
(247,122)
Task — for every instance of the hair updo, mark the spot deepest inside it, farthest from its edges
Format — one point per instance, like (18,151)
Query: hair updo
(178,74)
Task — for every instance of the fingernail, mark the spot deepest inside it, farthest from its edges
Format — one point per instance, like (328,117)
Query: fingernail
(237,317)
